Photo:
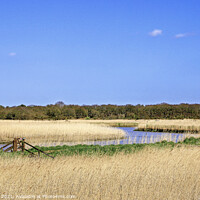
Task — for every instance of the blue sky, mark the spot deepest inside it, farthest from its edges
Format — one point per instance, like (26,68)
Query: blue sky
(99,52)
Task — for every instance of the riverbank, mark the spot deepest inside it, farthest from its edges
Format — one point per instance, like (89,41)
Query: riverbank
(109,150)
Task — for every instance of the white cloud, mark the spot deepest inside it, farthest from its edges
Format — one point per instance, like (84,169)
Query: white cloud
(12,54)
(180,35)
(155,32)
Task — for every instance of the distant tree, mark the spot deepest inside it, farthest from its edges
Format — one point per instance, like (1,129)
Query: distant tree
(81,113)
(60,104)
(53,113)
(68,113)
(10,115)
(92,113)
(61,111)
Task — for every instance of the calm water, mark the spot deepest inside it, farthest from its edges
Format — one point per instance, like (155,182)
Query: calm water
(150,136)
(132,137)
(140,137)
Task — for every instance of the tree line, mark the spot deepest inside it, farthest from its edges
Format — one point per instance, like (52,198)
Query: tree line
(60,111)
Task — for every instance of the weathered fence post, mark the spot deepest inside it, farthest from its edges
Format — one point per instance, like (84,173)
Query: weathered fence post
(15,144)
(23,144)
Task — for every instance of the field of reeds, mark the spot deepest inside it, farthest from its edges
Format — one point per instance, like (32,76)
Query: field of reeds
(111,122)
(151,173)
(56,131)
(189,126)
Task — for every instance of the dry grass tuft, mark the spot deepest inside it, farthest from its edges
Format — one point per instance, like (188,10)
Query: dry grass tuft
(148,174)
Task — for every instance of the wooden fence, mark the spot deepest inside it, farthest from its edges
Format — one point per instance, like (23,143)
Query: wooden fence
(19,144)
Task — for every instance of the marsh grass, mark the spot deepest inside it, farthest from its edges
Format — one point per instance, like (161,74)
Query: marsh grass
(56,131)
(185,125)
(112,123)
(189,126)
(147,174)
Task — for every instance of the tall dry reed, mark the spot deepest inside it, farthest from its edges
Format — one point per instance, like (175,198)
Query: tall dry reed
(187,125)
(56,131)
(148,174)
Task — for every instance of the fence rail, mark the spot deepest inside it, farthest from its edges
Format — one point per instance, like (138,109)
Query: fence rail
(7,146)
(39,151)
(19,143)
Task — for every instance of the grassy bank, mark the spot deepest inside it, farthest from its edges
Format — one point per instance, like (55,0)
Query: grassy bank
(113,149)
(108,150)
(151,173)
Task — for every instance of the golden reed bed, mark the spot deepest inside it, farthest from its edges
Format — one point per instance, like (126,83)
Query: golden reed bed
(188,125)
(56,131)
(149,174)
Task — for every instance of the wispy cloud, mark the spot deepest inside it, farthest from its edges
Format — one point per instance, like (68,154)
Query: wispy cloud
(12,54)
(181,35)
(155,32)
